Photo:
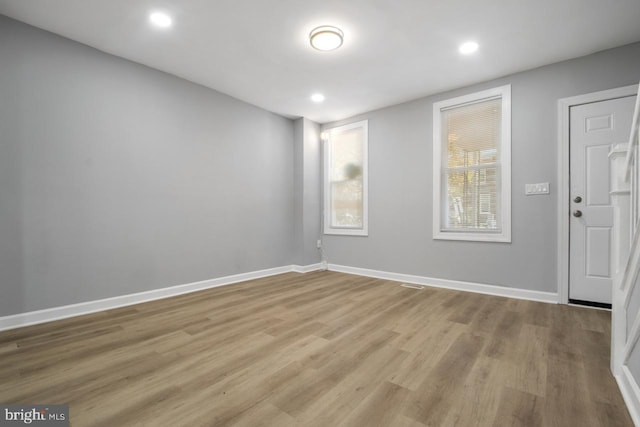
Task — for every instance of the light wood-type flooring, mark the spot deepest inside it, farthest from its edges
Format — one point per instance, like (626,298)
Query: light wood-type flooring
(321,349)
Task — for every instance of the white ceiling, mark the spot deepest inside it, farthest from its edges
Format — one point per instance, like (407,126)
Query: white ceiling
(394,50)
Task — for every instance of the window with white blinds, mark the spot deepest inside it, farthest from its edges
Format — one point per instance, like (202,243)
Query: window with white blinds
(345,179)
(472,170)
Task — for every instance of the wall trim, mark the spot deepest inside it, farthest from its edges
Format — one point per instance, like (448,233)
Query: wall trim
(79,309)
(307,268)
(564,105)
(630,393)
(502,291)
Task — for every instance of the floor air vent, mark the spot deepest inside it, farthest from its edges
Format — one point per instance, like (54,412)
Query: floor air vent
(412,286)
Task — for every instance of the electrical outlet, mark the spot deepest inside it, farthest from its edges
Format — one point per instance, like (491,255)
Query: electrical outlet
(319,244)
(539,188)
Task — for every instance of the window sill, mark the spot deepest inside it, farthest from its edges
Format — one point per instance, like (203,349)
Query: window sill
(473,237)
(346,232)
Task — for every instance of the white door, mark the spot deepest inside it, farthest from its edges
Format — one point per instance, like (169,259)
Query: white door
(595,128)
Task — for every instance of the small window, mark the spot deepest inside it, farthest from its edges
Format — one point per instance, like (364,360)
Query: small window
(345,179)
(472,167)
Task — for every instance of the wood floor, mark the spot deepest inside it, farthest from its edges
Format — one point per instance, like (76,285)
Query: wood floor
(321,349)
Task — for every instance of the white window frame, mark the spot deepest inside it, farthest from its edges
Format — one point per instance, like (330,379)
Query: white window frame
(328,229)
(504,235)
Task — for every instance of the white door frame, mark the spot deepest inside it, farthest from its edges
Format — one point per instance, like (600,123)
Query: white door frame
(564,106)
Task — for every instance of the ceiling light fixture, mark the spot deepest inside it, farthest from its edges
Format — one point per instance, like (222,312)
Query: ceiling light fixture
(317,97)
(326,38)
(468,48)
(160,19)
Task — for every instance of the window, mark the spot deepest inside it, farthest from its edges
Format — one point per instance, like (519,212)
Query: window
(345,179)
(472,167)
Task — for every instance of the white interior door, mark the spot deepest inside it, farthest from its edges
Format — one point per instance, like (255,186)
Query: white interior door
(594,129)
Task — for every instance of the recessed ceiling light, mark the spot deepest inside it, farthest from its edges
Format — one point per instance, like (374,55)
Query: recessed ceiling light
(468,48)
(160,19)
(317,97)
(326,38)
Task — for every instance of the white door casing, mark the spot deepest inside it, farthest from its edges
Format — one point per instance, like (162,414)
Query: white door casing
(594,128)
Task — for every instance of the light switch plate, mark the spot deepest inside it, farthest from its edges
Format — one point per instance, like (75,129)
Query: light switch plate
(539,188)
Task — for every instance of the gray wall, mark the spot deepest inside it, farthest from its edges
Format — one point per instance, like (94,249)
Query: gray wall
(400,178)
(307,191)
(116,178)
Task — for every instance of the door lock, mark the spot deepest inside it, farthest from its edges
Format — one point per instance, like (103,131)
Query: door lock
(578,199)
(577,214)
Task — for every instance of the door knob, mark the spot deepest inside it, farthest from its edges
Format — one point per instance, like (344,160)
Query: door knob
(577,214)
(578,199)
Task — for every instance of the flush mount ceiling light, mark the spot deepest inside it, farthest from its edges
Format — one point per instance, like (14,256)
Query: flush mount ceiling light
(468,48)
(326,38)
(160,19)
(317,97)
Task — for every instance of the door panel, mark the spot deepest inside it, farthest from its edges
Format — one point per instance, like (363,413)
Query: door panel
(595,128)
(598,245)
(598,186)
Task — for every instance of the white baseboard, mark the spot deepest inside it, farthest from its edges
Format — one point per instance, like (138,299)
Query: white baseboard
(630,393)
(307,268)
(58,313)
(479,288)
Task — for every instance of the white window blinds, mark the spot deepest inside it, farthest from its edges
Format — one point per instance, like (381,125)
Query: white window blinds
(471,166)
(346,179)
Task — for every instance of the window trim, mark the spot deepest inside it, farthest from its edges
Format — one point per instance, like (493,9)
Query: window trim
(327,228)
(504,235)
